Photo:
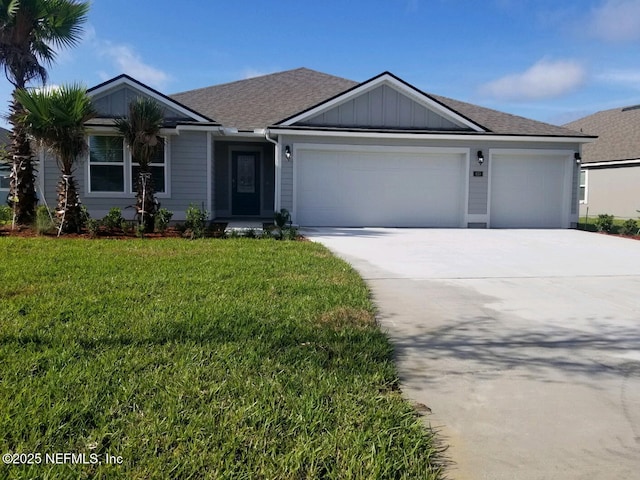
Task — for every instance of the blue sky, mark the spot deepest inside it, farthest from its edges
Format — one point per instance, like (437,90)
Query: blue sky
(548,60)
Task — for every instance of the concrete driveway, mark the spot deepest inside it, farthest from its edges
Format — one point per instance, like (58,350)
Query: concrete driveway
(525,344)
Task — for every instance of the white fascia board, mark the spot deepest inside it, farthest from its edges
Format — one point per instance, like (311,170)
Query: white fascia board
(106,129)
(149,92)
(197,128)
(428,136)
(387,79)
(615,163)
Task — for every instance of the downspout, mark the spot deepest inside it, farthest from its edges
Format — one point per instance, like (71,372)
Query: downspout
(278,173)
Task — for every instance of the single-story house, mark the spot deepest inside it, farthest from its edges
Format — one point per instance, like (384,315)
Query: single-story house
(335,152)
(610,175)
(5,168)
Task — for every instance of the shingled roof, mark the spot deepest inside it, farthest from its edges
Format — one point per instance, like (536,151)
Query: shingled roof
(618,132)
(264,101)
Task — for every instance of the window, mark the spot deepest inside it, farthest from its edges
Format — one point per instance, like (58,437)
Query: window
(583,186)
(106,164)
(5,171)
(111,169)
(157,171)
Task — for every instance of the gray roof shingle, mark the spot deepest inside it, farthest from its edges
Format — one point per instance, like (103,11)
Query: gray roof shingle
(264,101)
(618,132)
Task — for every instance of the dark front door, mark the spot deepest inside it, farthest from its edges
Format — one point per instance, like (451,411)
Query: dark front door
(245,183)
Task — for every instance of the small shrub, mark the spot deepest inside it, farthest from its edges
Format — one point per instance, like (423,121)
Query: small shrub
(290,234)
(44,221)
(266,233)
(6,214)
(140,230)
(162,219)
(126,226)
(93,226)
(250,233)
(282,218)
(113,220)
(604,223)
(84,216)
(196,221)
(234,233)
(629,227)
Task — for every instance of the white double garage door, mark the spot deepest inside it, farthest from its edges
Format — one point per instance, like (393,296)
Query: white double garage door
(428,187)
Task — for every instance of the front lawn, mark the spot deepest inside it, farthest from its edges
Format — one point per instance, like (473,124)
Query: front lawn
(237,359)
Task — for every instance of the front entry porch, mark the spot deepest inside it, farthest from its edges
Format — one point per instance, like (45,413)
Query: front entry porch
(243,182)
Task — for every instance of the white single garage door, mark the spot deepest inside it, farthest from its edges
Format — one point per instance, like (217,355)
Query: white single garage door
(530,190)
(371,187)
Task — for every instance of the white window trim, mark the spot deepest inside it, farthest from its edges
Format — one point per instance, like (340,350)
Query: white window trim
(586,186)
(128,166)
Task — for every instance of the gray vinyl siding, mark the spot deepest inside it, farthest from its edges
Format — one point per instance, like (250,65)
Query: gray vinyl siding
(187,166)
(188,170)
(612,190)
(286,186)
(383,107)
(478,186)
(575,185)
(115,103)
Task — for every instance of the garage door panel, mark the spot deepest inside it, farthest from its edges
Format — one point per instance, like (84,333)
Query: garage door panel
(527,191)
(379,189)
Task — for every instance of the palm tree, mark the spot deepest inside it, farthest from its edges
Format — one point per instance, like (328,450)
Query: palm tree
(30,31)
(140,130)
(56,118)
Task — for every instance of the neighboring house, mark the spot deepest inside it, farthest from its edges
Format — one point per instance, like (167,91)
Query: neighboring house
(5,166)
(610,175)
(337,153)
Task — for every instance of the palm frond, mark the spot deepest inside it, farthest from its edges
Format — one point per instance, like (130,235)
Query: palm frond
(141,129)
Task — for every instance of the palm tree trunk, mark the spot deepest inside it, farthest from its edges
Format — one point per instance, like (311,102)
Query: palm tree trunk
(68,210)
(146,203)
(22,185)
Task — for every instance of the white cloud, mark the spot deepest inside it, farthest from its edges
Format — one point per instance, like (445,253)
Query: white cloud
(545,79)
(129,62)
(616,20)
(628,78)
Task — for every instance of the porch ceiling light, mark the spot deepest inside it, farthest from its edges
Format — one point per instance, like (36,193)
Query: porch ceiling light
(577,158)
(480,157)
(287,152)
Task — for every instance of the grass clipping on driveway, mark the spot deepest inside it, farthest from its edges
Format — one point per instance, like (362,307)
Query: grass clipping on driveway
(205,359)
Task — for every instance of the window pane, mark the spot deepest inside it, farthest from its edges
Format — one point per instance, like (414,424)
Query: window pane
(157,176)
(107,178)
(158,156)
(583,177)
(583,191)
(103,148)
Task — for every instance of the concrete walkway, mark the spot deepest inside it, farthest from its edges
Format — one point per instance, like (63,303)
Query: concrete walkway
(524,344)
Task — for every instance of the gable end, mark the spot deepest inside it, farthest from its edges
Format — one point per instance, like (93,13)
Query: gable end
(384,107)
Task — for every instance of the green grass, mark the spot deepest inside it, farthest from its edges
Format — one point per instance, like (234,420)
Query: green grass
(237,359)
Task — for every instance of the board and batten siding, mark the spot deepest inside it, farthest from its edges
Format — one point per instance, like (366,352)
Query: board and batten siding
(383,107)
(115,103)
